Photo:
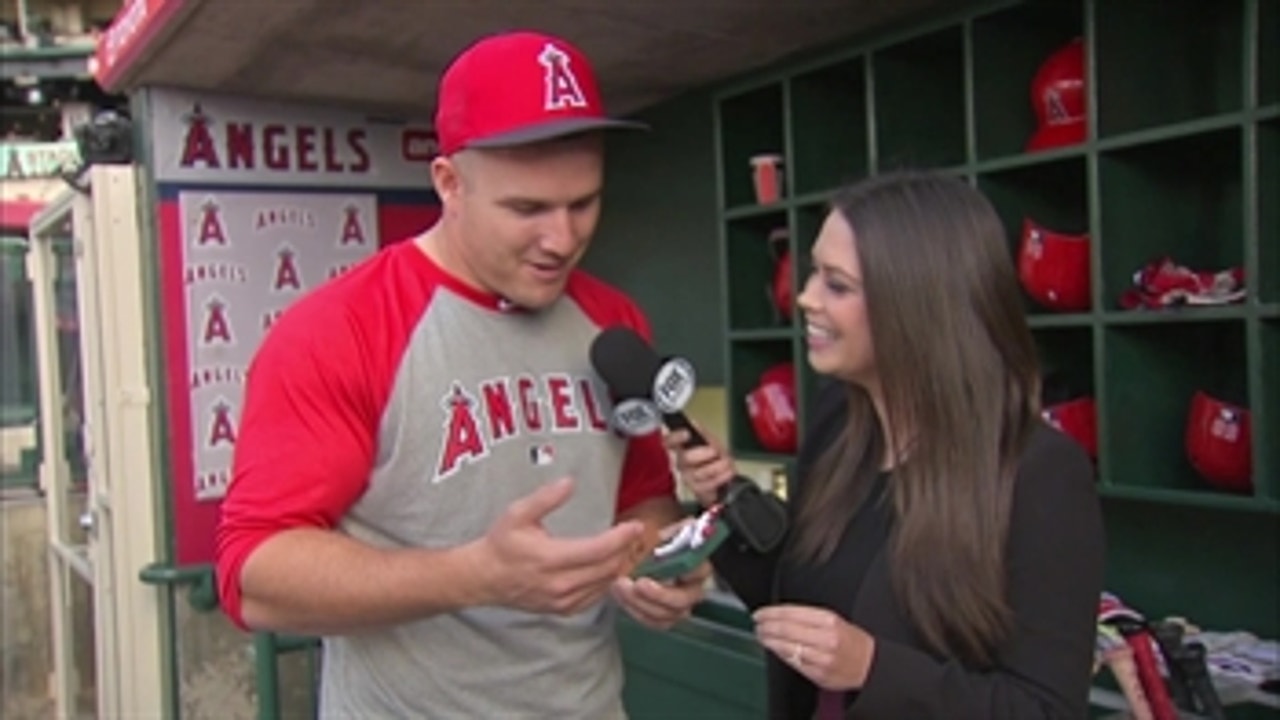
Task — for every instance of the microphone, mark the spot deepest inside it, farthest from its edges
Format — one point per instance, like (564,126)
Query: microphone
(650,390)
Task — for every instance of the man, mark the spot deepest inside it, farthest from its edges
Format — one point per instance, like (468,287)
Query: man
(426,475)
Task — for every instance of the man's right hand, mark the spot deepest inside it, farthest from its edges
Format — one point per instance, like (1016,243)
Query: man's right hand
(531,570)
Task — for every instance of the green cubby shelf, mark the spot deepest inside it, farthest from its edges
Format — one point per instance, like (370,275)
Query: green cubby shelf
(1190,498)
(919,98)
(808,223)
(1060,320)
(1159,62)
(764,458)
(1183,164)
(1268,210)
(1266,412)
(748,124)
(1176,315)
(750,252)
(1009,47)
(1268,51)
(749,212)
(1066,362)
(1152,372)
(831,104)
(1179,198)
(1028,160)
(1053,195)
(1066,356)
(778,333)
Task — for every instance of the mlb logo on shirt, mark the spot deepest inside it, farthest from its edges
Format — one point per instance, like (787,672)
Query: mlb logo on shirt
(542,455)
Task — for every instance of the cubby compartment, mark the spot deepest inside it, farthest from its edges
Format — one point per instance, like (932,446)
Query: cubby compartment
(919,101)
(809,220)
(829,138)
(1179,199)
(1067,394)
(1153,373)
(1269,210)
(748,359)
(750,125)
(1009,48)
(1161,62)
(1053,197)
(753,244)
(1066,363)
(1268,68)
(1267,451)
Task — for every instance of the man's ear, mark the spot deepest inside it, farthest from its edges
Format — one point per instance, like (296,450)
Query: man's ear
(446,178)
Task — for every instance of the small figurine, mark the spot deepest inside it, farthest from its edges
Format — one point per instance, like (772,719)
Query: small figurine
(687,548)
(692,534)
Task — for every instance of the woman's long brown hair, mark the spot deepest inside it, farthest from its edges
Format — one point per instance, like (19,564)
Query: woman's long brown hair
(958,373)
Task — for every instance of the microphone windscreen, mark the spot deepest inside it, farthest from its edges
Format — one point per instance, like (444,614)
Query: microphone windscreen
(625,361)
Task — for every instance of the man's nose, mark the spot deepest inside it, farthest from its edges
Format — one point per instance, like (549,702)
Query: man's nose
(558,234)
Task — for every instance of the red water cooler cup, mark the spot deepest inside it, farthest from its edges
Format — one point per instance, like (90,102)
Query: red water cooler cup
(766,175)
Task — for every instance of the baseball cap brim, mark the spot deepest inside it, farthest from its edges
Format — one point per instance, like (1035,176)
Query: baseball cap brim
(553,129)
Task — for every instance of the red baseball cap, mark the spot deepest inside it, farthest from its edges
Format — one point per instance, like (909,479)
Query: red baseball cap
(516,88)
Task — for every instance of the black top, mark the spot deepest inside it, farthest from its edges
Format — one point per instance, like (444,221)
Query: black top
(831,584)
(1055,569)
(834,583)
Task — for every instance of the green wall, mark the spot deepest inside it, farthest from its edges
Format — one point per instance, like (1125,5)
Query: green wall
(657,238)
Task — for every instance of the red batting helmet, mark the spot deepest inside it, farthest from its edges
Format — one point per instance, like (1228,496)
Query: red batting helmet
(1078,419)
(771,406)
(1054,267)
(1218,443)
(1058,98)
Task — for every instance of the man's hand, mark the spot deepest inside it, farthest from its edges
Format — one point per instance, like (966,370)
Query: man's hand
(531,570)
(661,604)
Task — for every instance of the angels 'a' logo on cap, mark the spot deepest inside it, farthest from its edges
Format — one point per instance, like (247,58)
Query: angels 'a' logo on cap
(562,89)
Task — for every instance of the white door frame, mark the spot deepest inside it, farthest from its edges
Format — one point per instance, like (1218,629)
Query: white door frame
(121,517)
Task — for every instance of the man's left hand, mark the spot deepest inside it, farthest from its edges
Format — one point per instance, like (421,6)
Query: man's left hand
(661,604)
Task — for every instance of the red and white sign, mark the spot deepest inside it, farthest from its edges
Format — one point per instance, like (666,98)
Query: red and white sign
(259,204)
(202,138)
(246,257)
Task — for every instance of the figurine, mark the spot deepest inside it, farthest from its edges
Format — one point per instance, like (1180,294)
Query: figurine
(687,548)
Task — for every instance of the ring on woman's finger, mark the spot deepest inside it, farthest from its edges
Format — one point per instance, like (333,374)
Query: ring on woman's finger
(797,654)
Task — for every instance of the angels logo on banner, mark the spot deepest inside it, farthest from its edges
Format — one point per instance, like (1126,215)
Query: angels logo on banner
(246,257)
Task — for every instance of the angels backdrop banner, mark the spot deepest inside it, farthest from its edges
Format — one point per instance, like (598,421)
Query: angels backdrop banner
(259,203)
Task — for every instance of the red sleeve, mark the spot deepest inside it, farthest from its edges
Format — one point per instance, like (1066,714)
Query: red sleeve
(646,470)
(306,440)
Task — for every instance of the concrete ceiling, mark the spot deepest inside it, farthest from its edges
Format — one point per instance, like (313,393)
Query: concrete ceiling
(387,54)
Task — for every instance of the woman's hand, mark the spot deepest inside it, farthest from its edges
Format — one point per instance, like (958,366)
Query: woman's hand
(819,644)
(702,469)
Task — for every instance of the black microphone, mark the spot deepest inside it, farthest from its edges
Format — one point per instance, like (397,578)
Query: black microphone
(648,388)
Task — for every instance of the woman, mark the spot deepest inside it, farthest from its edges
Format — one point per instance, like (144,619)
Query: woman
(945,556)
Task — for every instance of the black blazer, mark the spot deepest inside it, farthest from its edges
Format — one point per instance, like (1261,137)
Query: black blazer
(1056,559)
